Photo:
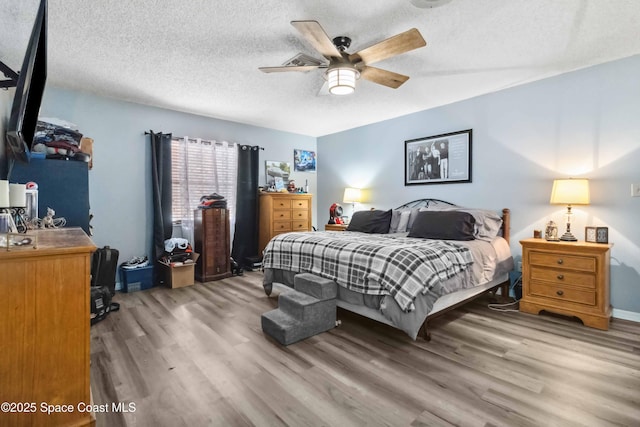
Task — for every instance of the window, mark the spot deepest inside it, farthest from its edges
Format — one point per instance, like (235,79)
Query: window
(200,168)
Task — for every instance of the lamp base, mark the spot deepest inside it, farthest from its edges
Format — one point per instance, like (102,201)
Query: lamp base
(568,237)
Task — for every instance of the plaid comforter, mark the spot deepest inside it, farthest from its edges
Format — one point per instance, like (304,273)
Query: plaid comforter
(377,264)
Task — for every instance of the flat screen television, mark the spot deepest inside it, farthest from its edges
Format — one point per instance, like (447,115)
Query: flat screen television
(29,90)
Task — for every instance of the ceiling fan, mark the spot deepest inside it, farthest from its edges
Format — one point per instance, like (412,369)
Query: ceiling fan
(343,69)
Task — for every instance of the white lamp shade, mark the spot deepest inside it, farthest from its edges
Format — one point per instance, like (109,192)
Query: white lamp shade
(17,195)
(570,191)
(352,195)
(342,81)
(4,194)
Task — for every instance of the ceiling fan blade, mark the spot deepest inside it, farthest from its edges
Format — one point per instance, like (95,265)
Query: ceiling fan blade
(400,43)
(383,77)
(313,32)
(290,68)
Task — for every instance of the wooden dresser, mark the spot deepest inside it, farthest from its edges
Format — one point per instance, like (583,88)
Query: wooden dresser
(569,278)
(44,328)
(211,239)
(281,213)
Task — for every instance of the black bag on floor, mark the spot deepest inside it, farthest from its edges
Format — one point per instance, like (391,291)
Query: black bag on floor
(101,304)
(104,267)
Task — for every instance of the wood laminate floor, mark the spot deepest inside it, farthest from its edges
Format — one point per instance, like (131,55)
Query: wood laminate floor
(197,356)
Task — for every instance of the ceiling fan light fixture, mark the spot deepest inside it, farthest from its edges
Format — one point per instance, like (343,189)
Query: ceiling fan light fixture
(342,80)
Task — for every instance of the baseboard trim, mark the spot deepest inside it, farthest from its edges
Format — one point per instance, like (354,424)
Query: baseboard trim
(626,315)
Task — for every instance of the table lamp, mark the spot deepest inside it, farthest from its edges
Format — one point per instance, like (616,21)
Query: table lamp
(570,191)
(353,196)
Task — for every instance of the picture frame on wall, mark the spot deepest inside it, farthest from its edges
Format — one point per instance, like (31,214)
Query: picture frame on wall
(438,159)
(276,169)
(304,160)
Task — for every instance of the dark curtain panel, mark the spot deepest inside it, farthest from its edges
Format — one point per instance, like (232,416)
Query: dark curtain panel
(161,178)
(245,239)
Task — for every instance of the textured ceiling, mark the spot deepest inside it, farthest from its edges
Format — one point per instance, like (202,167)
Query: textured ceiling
(202,56)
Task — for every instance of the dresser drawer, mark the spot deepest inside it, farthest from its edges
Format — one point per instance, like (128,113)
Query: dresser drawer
(572,262)
(281,226)
(282,203)
(560,277)
(300,225)
(299,204)
(281,214)
(297,214)
(562,293)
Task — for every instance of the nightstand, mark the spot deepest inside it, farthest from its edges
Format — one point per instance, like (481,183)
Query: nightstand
(569,278)
(335,227)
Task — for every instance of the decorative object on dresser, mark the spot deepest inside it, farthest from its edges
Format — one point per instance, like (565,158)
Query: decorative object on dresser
(569,278)
(211,239)
(551,232)
(335,214)
(44,313)
(276,169)
(570,191)
(596,234)
(281,213)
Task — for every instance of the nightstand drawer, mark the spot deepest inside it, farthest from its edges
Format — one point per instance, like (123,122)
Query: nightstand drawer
(562,293)
(560,277)
(280,226)
(281,214)
(572,262)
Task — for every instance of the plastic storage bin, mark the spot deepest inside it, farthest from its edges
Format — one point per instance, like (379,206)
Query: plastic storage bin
(136,279)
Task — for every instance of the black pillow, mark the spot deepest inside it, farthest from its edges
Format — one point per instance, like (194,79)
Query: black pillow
(370,222)
(443,225)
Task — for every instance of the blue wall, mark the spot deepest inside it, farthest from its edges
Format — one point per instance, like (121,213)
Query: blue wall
(585,123)
(120,184)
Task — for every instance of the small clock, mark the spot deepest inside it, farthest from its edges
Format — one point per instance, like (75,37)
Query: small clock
(596,234)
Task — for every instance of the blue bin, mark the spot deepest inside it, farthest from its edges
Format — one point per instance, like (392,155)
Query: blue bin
(136,279)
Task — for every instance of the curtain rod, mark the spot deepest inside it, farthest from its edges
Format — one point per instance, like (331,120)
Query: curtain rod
(194,139)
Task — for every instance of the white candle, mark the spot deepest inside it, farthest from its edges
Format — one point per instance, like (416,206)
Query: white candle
(4,194)
(17,195)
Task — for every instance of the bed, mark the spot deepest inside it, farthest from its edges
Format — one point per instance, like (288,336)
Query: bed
(401,267)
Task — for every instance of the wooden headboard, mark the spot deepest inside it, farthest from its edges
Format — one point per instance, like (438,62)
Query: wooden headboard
(425,203)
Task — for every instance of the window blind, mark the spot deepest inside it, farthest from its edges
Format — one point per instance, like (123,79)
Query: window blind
(200,168)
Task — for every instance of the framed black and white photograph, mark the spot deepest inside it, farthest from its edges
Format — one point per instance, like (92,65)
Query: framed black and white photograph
(277,169)
(438,159)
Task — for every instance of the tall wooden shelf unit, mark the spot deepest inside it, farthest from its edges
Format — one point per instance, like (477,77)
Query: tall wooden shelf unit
(45,327)
(212,242)
(282,213)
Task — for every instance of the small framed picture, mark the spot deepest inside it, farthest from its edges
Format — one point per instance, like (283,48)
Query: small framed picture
(279,183)
(596,234)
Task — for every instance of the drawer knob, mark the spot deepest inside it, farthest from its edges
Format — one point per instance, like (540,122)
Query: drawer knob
(560,261)
(560,276)
(560,292)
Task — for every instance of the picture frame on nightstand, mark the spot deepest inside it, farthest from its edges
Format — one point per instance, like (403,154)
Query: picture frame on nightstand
(596,234)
